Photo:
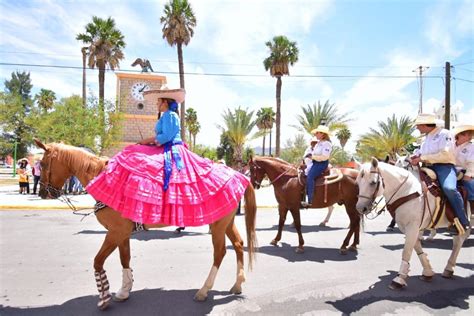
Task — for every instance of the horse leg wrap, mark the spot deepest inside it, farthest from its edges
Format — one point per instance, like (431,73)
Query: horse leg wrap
(402,273)
(127,283)
(103,288)
(427,269)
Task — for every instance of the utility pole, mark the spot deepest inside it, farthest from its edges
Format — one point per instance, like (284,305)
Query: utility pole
(419,72)
(447,97)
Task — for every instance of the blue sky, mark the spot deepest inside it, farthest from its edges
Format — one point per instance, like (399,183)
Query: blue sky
(367,39)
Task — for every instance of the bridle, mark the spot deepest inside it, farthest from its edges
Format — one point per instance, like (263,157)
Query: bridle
(254,165)
(373,204)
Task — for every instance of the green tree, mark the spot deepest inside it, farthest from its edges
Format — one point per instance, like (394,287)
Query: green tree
(45,99)
(265,121)
(192,125)
(338,157)
(392,137)
(15,108)
(178,23)
(104,44)
(206,152)
(321,114)
(238,125)
(294,149)
(343,136)
(283,53)
(225,150)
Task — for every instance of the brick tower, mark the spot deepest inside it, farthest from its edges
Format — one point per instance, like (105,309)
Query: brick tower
(139,118)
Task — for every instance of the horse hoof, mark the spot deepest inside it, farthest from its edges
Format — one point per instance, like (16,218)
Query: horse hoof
(236,290)
(299,249)
(274,242)
(353,248)
(395,286)
(200,297)
(447,274)
(343,251)
(103,304)
(426,278)
(322,224)
(119,299)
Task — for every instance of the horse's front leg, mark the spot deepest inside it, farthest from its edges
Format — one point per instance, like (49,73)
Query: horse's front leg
(218,230)
(457,244)
(295,212)
(428,273)
(282,211)
(127,277)
(238,243)
(411,237)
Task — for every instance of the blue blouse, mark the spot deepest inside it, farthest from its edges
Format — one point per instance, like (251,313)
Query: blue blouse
(168,128)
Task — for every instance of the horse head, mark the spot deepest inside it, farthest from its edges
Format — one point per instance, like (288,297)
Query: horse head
(371,186)
(257,173)
(51,183)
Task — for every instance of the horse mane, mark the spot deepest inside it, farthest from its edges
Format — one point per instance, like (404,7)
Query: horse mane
(86,164)
(274,159)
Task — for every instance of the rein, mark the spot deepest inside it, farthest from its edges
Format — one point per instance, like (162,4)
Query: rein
(274,180)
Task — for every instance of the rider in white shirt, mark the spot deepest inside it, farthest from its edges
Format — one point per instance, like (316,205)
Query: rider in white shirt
(465,158)
(437,151)
(308,154)
(320,157)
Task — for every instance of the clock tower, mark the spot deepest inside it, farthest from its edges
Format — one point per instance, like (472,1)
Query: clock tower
(139,118)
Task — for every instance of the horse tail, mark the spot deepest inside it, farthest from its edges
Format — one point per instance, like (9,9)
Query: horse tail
(250,223)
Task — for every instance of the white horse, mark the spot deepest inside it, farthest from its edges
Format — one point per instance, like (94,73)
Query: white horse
(404,162)
(378,178)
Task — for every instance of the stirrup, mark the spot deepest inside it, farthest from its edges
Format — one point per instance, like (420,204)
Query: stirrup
(305,204)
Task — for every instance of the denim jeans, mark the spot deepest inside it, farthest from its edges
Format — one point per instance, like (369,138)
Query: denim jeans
(469,185)
(316,170)
(447,179)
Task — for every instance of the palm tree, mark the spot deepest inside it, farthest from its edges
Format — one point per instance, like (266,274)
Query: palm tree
(237,126)
(190,118)
(391,138)
(178,27)
(45,99)
(264,122)
(343,136)
(104,45)
(194,130)
(283,53)
(321,114)
(84,60)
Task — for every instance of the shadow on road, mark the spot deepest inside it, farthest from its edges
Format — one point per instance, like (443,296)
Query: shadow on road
(314,254)
(446,244)
(147,235)
(142,302)
(448,292)
(304,228)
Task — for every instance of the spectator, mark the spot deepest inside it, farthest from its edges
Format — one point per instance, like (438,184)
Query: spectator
(36,174)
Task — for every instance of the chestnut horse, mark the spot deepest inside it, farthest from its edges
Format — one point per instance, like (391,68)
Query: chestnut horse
(61,161)
(289,189)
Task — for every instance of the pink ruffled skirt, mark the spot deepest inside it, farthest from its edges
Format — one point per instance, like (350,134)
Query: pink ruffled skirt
(199,194)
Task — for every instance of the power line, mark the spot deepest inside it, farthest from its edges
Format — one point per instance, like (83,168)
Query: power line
(465,63)
(221,74)
(420,70)
(467,80)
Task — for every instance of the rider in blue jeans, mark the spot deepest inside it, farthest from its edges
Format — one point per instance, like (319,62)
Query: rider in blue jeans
(320,156)
(437,151)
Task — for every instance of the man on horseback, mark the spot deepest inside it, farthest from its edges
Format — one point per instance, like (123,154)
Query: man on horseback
(438,153)
(465,158)
(320,157)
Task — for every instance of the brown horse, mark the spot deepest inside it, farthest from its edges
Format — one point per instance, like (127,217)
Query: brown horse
(61,161)
(288,192)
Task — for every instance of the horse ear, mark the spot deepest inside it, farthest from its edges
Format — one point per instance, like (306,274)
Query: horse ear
(375,162)
(40,144)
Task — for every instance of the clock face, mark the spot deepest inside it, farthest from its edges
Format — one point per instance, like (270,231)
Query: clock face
(138,89)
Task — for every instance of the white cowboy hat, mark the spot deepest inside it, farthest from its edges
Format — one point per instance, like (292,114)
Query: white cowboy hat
(151,96)
(321,129)
(425,119)
(462,128)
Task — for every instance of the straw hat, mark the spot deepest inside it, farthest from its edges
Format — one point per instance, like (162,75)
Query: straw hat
(151,96)
(462,128)
(321,129)
(425,119)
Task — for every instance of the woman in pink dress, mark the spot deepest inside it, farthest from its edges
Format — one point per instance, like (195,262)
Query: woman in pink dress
(160,181)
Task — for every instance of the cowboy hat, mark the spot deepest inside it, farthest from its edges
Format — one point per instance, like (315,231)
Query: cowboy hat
(151,96)
(462,128)
(321,129)
(425,119)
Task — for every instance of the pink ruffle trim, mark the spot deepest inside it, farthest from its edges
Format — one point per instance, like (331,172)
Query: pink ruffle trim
(199,194)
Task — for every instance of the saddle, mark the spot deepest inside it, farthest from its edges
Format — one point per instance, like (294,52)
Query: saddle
(430,183)
(329,176)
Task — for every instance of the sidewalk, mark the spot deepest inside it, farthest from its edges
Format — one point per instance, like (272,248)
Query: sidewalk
(10,199)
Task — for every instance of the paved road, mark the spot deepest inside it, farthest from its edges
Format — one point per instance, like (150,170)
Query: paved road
(46,269)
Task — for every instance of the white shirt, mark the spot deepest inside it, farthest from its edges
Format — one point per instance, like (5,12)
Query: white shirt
(308,161)
(465,158)
(322,150)
(438,147)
